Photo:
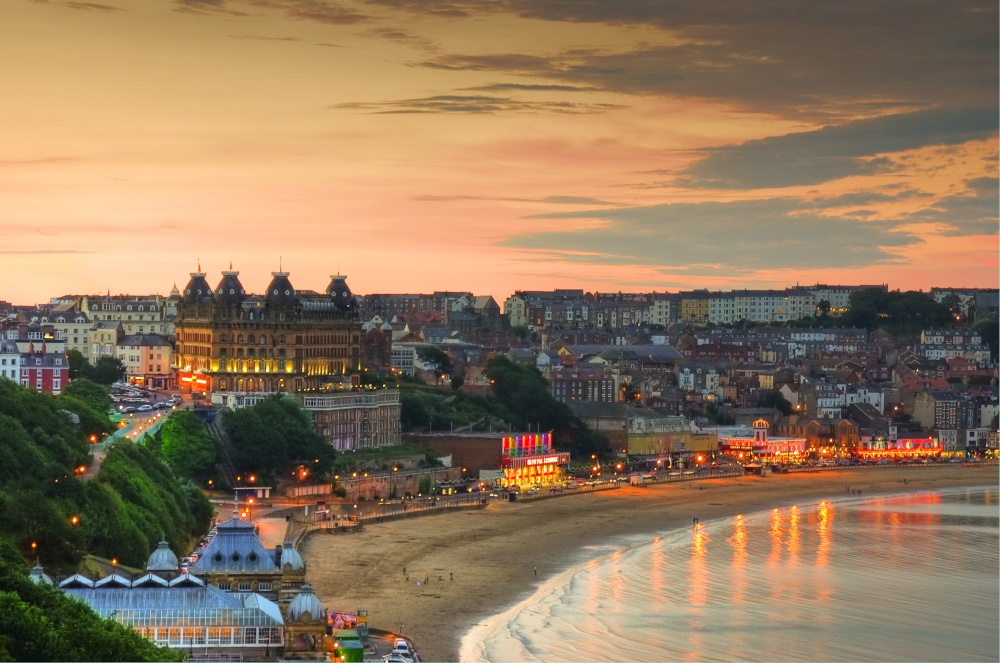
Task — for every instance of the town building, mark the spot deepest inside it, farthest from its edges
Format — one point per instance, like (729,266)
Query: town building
(351,420)
(137,314)
(285,340)
(148,360)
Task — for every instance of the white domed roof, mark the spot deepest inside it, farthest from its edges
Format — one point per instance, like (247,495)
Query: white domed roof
(162,559)
(39,577)
(291,557)
(305,602)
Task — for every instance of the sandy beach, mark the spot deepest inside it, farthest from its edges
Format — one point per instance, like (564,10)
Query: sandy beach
(500,554)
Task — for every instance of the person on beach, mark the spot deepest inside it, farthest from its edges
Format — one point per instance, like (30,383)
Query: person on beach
(536,570)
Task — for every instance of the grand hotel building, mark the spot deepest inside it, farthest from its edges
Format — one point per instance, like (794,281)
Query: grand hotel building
(234,347)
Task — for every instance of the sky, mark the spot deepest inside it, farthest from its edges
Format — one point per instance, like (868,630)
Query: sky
(494,146)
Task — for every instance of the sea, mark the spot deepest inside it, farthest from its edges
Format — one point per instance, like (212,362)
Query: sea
(909,577)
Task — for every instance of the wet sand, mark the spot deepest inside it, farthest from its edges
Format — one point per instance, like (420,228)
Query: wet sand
(499,554)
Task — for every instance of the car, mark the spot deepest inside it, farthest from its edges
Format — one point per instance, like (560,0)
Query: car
(144,408)
(396,658)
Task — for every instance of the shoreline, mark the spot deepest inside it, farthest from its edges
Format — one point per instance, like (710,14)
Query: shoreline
(493,555)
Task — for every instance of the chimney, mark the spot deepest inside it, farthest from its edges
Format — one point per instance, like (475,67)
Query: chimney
(277,555)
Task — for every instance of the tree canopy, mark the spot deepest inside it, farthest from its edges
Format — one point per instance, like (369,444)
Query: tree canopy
(276,436)
(40,623)
(438,359)
(897,312)
(106,370)
(186,444)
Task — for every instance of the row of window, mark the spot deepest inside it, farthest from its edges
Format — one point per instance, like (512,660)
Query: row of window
(184,637)
(249,339)
(245,586)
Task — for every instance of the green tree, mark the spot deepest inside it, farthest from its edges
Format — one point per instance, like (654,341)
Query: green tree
(186,444)
(79,367)
(437,359)
(96,396)
(108,370)
(41,623)
(774,398)
(277,435)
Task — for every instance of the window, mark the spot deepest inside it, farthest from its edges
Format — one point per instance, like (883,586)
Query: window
(263,587)
(244,586)
(225,586)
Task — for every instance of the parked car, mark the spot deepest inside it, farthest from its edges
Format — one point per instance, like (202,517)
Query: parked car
(144,408)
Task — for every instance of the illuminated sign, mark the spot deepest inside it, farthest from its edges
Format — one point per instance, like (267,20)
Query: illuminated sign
(545,460)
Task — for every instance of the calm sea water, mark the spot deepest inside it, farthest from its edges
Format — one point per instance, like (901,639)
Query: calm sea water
(898,578)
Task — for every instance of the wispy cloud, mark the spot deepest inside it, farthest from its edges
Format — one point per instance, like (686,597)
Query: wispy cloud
(320,11)
(452,103)
(768,233)
(835,152)
(93,6)
(265,38)
(511,87)
(820,62)
(404,38)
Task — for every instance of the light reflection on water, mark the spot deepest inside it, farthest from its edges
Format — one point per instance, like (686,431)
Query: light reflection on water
(900,578)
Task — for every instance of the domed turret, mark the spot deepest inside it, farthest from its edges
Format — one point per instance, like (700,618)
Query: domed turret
(230,291)
(339,293)
(196,289)
(39,577)
(305,606)
(280,291)
(290,557)
(162,559)
(386,327)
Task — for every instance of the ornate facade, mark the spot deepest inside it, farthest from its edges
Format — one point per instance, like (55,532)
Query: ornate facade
(282,341)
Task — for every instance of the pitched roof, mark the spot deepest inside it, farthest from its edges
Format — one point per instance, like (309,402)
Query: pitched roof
(235,547)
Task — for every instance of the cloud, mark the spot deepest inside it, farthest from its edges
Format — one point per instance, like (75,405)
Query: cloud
(741,236)
(473,104)
(94,6)
(264,38)
(320,11)
(507,87)
(834,152)
(404,38)
(206,7)
(972,212)
(821,62)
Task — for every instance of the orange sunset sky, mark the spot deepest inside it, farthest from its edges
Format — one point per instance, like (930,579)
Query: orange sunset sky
(420,145)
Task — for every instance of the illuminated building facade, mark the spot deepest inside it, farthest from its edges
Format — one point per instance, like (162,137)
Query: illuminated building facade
(282,341)
(528,459)
(880,448)
(754,444)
